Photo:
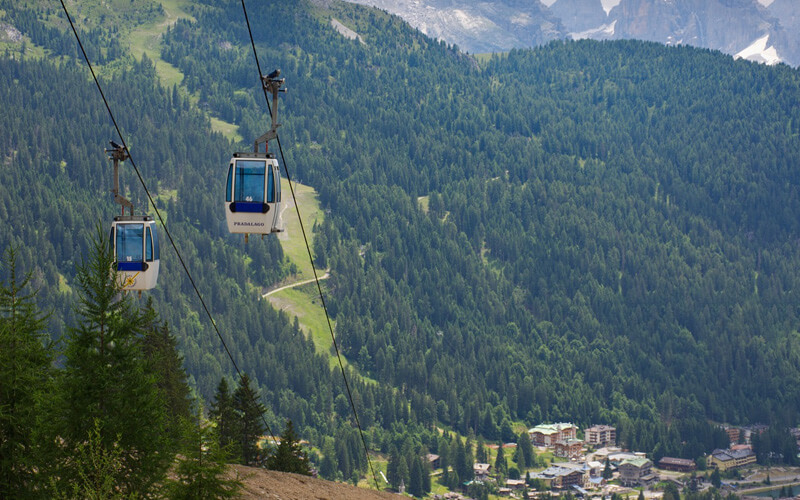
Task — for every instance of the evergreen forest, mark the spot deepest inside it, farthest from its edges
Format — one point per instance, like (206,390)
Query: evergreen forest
(591,232)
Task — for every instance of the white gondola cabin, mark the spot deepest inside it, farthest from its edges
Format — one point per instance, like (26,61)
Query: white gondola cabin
(253,194)
(134,240)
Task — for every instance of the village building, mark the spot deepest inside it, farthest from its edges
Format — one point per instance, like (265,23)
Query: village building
(601,435)
(481,471)
(734,434)
(677,464)
(731,459)
(636,472)
(595,468)
(569,448)
(548,434)
(618,457)
(434,460)
(602,454)
(562,476)
(515,484)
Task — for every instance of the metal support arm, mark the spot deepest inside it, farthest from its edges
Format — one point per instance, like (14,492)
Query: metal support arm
(271,83)
(117,154)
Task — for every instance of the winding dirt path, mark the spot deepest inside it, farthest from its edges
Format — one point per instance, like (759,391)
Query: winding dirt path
(298,283)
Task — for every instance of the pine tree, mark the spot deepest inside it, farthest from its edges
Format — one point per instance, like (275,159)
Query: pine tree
(524,444)
(250,425)
(415,483)
(671,492)
(480,451)
(106,385)
(519,458)
(224,416)
(716,479)
(94,468)
(426,476)
(201,469)
(289,456)
(500,463)
(328,466)
(392,467)
(444,458)
(469,469)
(403,474)
(460,463)
(607,472)
(343,457)
(165,362)
(25,374)
(455,481)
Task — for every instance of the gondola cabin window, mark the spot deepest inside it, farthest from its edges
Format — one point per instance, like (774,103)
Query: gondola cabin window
(129,242)
(151,245)
(250,181)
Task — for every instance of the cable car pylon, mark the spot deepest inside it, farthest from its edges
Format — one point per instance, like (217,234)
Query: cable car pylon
(253,187)
(133,239)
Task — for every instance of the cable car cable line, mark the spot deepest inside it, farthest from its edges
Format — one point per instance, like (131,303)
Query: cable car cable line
(264,86)
(158,213)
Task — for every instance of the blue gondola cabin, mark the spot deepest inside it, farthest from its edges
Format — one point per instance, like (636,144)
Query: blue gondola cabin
(134,240)
(253,194)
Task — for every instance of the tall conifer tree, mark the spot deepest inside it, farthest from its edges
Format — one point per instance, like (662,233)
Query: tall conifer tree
(250,414)
(201,470)
(225,418)
(106,386)
(289,456)
(25,374)
(415,483)
(165,362)
(500,463)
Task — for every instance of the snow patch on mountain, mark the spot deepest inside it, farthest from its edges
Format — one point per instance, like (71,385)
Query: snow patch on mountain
(605,31)
(758,51)
(609,4)
(523,19)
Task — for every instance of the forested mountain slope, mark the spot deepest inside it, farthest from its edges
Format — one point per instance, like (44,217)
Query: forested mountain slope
(54,191)
(610,235)
(611,229)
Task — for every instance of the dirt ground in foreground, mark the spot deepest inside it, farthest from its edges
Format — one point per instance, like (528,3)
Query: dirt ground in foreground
(272,485)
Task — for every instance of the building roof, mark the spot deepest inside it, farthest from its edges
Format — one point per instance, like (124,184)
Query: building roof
(621,456)
(683,462)
(725,455)
(607,450)
(601,428)
(573,465)
(555,471)
(570,442)
(481,467)
(636,462)
(551,428)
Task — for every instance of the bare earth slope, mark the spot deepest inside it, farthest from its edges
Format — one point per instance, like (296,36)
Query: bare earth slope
(272,485)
